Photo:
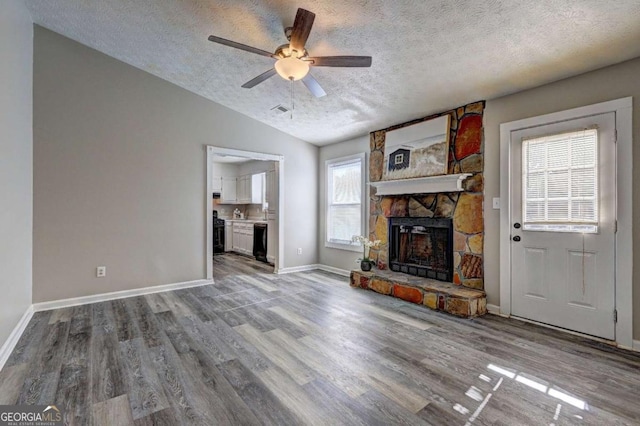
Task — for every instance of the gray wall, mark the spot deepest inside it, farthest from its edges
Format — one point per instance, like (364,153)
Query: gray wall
(606,84)
(343,259)
(119,174)
(16,163)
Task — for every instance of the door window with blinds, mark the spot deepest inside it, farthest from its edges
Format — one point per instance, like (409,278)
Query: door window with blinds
(345,182)
(560,182)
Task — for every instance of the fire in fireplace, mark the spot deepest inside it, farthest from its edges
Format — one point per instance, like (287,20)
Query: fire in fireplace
(421,246)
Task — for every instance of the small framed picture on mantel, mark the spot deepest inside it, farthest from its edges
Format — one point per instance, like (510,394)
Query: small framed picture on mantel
(419,150)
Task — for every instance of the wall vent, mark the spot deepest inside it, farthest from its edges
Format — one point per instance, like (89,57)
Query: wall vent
(279,109)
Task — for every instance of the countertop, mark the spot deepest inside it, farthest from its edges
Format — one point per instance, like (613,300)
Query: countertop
(246,220)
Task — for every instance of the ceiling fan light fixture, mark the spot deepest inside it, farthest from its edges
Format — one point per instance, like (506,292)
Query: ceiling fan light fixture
(291,68)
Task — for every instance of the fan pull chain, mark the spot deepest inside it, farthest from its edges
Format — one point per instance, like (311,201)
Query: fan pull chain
(292,105)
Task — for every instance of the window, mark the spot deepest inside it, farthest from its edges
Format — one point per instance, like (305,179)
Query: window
(399,159)
(345,183)
(560,182)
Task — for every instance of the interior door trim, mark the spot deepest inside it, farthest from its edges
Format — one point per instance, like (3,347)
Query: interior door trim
(623,109)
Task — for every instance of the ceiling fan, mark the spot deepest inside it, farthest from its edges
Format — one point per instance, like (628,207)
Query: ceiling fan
(293,60)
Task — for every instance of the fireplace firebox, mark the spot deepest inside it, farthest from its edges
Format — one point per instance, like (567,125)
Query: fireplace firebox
(421,246)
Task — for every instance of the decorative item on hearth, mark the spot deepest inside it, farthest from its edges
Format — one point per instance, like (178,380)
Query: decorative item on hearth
(365,262)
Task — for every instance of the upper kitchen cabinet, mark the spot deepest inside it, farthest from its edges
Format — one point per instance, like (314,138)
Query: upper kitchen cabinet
(244,189)
(216,185)
(271,191)
(253,182)
(257,188)
(229,193)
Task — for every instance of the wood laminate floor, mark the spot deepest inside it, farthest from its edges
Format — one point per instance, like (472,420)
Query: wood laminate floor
(305,348)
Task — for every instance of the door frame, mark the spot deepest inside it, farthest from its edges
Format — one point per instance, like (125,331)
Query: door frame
(624,179)
(210,152)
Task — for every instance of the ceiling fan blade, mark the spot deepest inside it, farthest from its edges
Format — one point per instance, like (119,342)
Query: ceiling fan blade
(340,61)
(259,79)
(301,29)
(313,86)
(240,46)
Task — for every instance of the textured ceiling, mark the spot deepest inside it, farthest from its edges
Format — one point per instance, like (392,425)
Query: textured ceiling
(428,56)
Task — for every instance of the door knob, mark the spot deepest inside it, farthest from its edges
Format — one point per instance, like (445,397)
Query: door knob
(516,238)
(517,225)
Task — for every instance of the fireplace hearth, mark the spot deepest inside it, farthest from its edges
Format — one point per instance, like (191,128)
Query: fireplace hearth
(421,246)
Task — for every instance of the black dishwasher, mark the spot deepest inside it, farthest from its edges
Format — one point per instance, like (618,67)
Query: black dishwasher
(260,241)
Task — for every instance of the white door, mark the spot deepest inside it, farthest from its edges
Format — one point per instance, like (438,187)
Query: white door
(563,224)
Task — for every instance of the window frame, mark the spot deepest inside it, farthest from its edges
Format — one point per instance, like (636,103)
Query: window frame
(328,164)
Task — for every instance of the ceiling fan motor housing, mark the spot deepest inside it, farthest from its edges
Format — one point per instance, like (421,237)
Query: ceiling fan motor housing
(287,32)
(285,51)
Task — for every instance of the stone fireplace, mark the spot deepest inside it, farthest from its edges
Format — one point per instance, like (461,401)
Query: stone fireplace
(421,246)
(463,208)
(432,242)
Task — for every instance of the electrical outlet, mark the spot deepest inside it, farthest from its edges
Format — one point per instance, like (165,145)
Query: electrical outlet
(101,271)
(496,203)
(299,250)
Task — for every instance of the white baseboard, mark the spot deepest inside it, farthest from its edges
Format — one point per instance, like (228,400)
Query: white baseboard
(494,309)
(302,268)
(95,298)
(333,270)
(15,335)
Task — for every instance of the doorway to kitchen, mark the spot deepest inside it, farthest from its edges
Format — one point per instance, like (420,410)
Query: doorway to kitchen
(244,206)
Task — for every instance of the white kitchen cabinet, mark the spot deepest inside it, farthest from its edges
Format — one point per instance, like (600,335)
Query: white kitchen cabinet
(229,190)
(243,237)
(216,184)
(236,237)
(228,236)
(247,189)
(257,188)
(271,191)
(244,189)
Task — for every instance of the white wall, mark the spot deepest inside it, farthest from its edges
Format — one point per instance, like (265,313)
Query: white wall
(16,163)
(256,166)
(342,259)
(224,169)
(119,174)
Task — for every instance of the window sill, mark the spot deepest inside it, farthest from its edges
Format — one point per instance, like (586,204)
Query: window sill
(346,247)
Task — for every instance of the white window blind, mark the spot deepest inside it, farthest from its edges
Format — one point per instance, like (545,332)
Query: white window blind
(344,200)
(560,182)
